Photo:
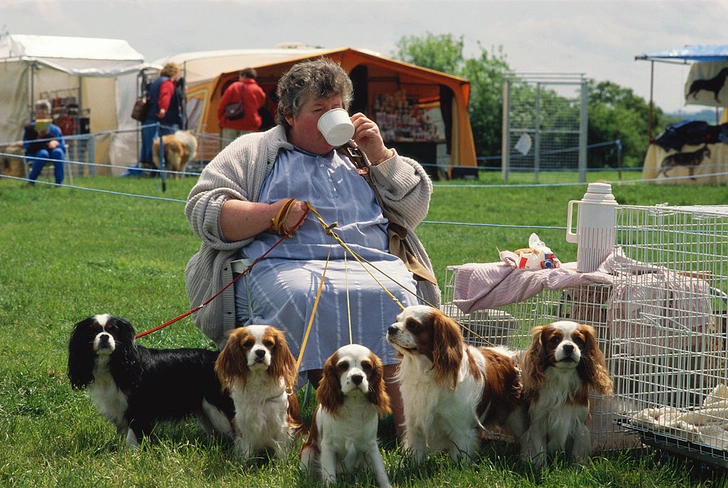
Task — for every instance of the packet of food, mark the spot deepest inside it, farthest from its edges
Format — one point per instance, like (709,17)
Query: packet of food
(536,256)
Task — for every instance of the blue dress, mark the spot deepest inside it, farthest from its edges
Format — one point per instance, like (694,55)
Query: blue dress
(282,288)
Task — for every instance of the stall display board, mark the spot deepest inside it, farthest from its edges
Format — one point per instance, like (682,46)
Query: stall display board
(703,164)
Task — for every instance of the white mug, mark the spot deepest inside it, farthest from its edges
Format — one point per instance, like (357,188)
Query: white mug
(336,127)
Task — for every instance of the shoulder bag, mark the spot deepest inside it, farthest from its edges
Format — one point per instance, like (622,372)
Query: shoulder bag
(235,110)
(139,112)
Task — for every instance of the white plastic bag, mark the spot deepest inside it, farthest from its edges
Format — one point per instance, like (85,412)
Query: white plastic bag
(536,256)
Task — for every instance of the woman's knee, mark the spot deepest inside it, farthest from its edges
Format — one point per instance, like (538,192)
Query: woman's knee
(57,153)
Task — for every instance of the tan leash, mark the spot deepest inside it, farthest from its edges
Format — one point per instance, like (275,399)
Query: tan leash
(313,313)
(329,230)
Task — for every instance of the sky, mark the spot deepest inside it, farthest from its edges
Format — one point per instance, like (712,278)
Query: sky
(596,38)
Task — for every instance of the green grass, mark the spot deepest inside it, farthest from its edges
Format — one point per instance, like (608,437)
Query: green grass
(67,253)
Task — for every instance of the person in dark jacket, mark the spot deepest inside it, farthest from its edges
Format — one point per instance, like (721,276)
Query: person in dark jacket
(165,107)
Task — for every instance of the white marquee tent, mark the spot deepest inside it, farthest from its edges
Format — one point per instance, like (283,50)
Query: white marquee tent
(98,75)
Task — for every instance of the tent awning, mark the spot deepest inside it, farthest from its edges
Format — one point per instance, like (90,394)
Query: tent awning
(77,56)
(202,66)
(700,52)
(17,45)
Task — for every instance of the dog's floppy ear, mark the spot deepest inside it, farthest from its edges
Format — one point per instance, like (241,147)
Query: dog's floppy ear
(125,365)
(592,367)
(283,363)
(81,355)
(232,363)
(377,390)
(534,363)
(329,392)
(447,348)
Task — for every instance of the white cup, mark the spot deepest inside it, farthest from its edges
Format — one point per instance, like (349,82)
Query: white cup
(336,127)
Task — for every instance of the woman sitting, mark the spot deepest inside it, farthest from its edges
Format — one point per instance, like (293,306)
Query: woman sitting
(241,192)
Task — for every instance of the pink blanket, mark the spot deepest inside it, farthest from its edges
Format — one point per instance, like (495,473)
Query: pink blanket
(644,296)
(482,286)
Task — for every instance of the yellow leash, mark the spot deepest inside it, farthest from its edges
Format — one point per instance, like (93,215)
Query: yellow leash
(348,302)
(329,230)
(279,223)
(313,313)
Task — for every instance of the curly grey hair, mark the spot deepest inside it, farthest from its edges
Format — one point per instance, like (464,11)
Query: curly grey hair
(320,78)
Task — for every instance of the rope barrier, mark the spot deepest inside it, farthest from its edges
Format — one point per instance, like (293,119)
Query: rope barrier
(329,228)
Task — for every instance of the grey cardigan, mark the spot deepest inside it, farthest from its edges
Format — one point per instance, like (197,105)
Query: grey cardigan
(238,172)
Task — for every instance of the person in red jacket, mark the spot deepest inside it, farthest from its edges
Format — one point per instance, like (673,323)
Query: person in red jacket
(253,98)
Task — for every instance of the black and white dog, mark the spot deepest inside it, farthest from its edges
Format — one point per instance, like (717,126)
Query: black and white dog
(134,386)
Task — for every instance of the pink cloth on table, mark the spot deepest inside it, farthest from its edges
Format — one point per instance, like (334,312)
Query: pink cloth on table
(482,286)
(647,300)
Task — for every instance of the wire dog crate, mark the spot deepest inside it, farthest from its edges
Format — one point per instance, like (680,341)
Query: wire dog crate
(510,325)
(668,312)
(661,325)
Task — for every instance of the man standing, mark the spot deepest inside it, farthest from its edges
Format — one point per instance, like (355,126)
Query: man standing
(252,96)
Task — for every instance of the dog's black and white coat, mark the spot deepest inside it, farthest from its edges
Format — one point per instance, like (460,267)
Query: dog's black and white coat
(134,386)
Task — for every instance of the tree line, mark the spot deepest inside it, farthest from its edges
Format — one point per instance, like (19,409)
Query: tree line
(615,112)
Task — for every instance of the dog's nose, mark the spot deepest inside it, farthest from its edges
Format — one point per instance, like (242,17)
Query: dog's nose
(357,378)
(568,349)
(260,353)
(392,330)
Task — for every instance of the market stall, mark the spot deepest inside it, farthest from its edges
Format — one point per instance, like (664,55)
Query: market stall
(89,82)
(422,113)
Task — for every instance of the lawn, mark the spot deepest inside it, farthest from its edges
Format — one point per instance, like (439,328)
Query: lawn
(67,253)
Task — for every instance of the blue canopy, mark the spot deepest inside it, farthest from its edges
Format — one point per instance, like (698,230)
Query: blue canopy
(700,52)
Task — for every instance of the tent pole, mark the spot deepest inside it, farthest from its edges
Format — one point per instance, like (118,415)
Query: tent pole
(652,84)
(32,91)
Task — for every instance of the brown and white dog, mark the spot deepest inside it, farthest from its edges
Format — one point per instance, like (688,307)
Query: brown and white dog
(559,367)
(179,149)
(451,390)
(258,369)
(343,434)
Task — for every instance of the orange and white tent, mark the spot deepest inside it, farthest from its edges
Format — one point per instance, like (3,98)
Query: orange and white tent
(384,89)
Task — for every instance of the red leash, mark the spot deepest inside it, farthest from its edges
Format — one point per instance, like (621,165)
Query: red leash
(190,312)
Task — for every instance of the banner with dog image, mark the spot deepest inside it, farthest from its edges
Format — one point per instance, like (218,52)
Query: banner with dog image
(700,164)
(706,84)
